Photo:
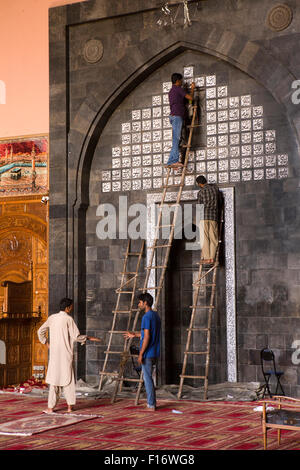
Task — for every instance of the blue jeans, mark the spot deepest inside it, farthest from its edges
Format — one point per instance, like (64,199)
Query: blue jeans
(176,123)
(147,368)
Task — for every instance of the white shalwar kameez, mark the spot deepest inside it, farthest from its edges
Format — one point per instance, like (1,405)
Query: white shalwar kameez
(63,333)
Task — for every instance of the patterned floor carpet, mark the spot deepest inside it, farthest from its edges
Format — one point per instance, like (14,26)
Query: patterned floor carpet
(123,426)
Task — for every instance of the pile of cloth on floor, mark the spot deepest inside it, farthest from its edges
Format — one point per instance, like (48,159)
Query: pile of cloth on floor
(26,387)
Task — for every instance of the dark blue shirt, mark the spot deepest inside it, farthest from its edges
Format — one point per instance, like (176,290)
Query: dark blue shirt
(151,322)
(176,99)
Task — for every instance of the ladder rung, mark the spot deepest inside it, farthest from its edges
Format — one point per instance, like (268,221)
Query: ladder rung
(196,352)
(198,329)
(148,288)
(157,267)
(167,225)
(200,306)
(203,285)
(172,185)
(134,254)
(120,352)
(125,311)
(159,246)
(118,291)
(111,374)
(129,272)
(117,332)
(192,376)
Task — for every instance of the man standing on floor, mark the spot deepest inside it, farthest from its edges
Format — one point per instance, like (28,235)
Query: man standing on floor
(62,333)
(209,196)
(177,96)
(149,345)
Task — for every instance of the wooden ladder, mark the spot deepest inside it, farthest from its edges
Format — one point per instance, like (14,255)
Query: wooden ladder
(159,270)
(128,287)
(207,279)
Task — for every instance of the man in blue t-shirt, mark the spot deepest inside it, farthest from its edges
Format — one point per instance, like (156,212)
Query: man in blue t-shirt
(149,345)
(177,96)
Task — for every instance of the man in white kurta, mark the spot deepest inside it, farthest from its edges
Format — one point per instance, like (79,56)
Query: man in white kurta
(63,333)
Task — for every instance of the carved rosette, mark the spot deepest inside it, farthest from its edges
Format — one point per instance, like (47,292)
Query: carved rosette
(93,51)
(280,17)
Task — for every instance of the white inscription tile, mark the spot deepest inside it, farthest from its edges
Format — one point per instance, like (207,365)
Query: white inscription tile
(116,162)
(136,126)
(126,185)
(200,167)
(212,166)
(167,87)
(157,171)
(223,165)
(146,113)
(222,140)
(223,177)
(166,110)
(283,172)
(246,125)
(126,139)
(166,99)
(126,150)
(234,114)
(116,151)
(211,105)
(126,162)
(211,117)
(258,136)
(136,161)
(235,151)
(222,91)
(246,100)
(211,129)
(156,112)
(146,125)
(234,102)
(147,137)
(146,148)
(234,126)
(156,100)
(136,185)
(234,139)
(235,176)
(126,173)
(235,163)
(223,115)
(116,186)
(222,103)
(258,124)
(211,80)
(136,114)
(167,134)
(246,137)
(157,159)
(258,161)
(106,175)
(136,173)
(147,160)
(271,173)
(247,175)
(136,149)
(258,149)
(166,122)
(188,72)
(106,187)
(257,111)
(246,162)
(222,127)
(200,154)
(211,141)
(246,113)
(246,150)
(200,81)
(270,147)
(157,123)
(270,160)
(258,174)
(212,178)
(126,127)
(157,183)
(223,152)
(147,183)
(283,159)
(270,135)
(157,147)
(147,172)
(211,93)
(211,153)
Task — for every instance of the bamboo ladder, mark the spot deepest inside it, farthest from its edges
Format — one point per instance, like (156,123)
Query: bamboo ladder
(128,286)
(209,277)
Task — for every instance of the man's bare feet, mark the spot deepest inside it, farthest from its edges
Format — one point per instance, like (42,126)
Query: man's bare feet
(48,411)
(70,409)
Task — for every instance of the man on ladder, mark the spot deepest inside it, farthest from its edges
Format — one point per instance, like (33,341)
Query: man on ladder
(149,345)
(177,96)
(209,196)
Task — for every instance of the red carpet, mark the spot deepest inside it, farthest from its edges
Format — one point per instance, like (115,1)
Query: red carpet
(209,425)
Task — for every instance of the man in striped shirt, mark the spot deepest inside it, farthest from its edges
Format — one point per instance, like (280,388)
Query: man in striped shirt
(208,195)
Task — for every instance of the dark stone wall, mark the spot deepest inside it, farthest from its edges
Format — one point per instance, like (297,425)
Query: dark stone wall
(88,102)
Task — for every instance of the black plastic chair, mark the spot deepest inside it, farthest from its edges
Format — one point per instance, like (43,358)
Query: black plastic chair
(267,356)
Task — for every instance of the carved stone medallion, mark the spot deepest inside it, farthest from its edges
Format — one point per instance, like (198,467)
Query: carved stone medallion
(93,51)
(280,17)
